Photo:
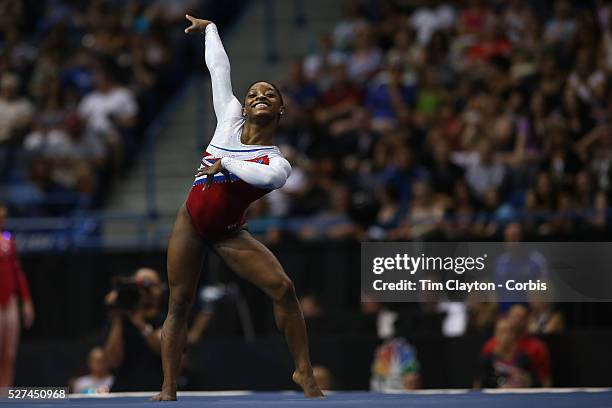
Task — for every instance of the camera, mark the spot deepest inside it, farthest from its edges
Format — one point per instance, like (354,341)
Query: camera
(129,292)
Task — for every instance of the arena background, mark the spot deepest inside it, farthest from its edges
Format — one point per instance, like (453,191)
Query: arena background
(525,82)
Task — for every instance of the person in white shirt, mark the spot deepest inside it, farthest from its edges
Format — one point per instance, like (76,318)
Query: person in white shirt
(99,379)
(108,106)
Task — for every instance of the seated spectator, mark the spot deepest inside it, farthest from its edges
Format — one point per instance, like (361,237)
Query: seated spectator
(15,116)
(519,263)
(535,350)
(390,98)
(473,18)
(493,215)
(99,379)
(318,66)
(340,98)
(395,367)
(545,318)
(406,52)
(483,170)
(401,171)
(491,43)
(110,111)
(345,31)
(366,57)
(561,27)
(425,214)
(389,213)
(430,17)
(334,222)
(15,111)
(506,365)
(298,88)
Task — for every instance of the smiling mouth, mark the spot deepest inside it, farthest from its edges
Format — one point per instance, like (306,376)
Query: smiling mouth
(260,105)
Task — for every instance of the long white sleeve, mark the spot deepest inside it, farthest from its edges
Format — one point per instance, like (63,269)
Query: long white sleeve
(218,65)
(272,176)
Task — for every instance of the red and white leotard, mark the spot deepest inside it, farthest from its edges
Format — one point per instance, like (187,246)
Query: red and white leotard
(12,279)
(255,170)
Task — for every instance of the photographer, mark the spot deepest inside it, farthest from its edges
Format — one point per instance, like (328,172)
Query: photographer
(132,347)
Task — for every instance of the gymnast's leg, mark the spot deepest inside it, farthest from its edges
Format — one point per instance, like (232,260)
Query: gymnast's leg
(185,257)
(9,340)
(254,262)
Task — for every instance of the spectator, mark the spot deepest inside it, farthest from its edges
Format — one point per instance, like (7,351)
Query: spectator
(334,222)
(345,31)
(15,117)
(562,26)
(388,216)
(535,350)
(506,365)
(133,344)
(99,380)
(545,318)
(390,99)
(485,171)
(110,111)
(518,263)
(318,66)
(364,61)
(431,17)
(15,112)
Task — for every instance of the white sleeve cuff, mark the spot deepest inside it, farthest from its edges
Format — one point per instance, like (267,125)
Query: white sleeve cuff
(210,27)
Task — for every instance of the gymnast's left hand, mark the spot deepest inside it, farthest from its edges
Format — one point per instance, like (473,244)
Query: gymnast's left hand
(210,172)
(197,25)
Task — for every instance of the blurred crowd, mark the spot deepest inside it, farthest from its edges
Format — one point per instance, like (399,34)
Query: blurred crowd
(513,357)
(430,119)
(79,83)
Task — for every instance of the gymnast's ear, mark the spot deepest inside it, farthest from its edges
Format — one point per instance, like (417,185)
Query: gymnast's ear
(244,114)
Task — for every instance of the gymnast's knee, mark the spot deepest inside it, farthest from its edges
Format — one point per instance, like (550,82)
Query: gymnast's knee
(283,291)
(179,304)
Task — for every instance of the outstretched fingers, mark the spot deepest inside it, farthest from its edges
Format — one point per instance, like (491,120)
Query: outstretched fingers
(192,27)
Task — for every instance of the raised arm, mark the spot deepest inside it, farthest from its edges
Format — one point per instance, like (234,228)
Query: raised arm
(217,62)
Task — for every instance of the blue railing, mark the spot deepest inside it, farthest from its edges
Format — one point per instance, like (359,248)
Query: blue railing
(89,231)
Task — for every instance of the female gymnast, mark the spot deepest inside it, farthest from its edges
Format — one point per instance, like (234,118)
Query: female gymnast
(13,289)
(240,165)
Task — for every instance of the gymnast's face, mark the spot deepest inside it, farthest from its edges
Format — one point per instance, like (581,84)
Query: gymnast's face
(263,103)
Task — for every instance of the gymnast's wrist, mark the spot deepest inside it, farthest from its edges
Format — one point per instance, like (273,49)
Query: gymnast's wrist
(210,26)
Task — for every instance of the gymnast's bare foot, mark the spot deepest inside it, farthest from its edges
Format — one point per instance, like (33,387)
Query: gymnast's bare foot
(164,396)
(307,382)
